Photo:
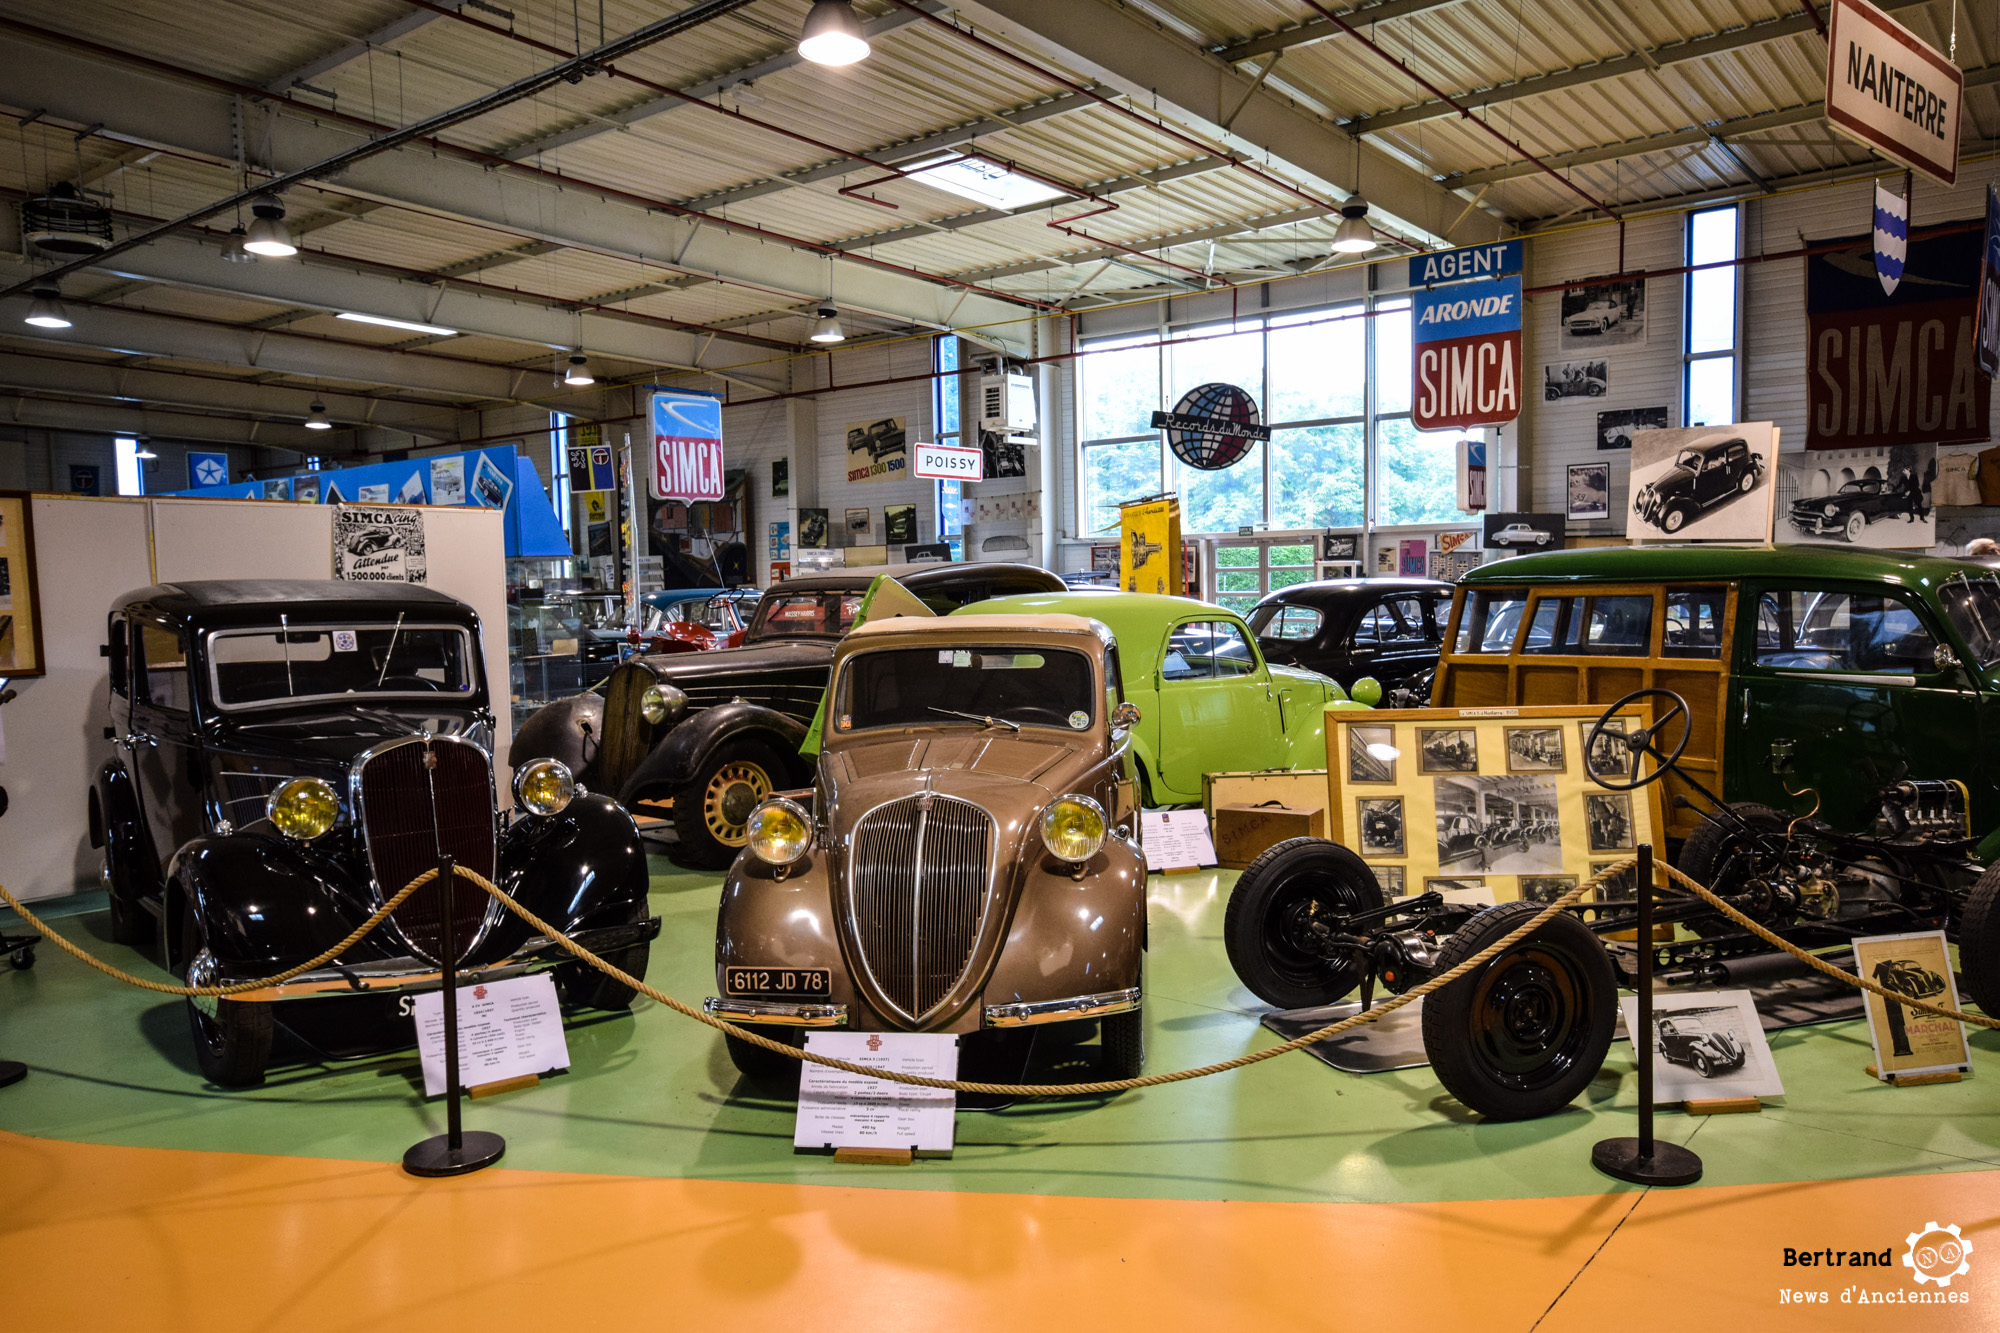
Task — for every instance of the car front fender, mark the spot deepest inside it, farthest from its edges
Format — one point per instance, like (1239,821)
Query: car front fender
(264,904)
(118,825)
(568,729)
(1072,936)
(679,756)
(582,867)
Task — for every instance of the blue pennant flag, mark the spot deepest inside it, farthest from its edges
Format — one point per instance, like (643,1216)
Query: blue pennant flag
(1892,238)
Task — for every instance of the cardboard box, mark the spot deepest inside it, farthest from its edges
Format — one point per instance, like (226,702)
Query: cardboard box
(1243,832)
(1298,788)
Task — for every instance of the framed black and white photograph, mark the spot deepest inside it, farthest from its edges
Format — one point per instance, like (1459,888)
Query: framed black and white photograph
(1616,429)
(1524,534)
(1501,825)
(1704,483)
(1447,750)
(1622,887)
(1603,315)
(1608,817)
(859,521)
(1392,881)
(1339,546)
(1707,1044)
(1574,379)
(813,527)
(1381,824)
(781,477)
(899,524)
(1536,750)
(1609,758)
(1878,499)
(1371,754)
(1546,888)
(1589,491)
(1468,892)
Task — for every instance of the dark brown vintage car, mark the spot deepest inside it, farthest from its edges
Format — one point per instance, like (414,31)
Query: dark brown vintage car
(968,860)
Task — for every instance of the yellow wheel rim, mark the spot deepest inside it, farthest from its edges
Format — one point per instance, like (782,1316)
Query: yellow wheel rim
(731,795)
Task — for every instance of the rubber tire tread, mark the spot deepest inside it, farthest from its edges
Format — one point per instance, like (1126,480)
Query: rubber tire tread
(1979,943)
(1448,1010)
(766,1067)
(1242,935)
(697,847)
(582,986)
(247,1030)
(1703,850)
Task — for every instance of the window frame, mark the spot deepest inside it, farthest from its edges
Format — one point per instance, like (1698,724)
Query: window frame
(1733,353)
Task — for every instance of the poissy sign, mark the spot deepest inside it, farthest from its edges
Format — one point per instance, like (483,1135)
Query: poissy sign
(687,445)
(1467,353)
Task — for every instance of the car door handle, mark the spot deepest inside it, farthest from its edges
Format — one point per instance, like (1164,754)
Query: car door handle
(133,740)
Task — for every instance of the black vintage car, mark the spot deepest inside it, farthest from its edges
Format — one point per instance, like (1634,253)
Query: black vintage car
(1708,1053)
(716,732)
(1848,511)
(1349,628)
(290,755)
(1709,472)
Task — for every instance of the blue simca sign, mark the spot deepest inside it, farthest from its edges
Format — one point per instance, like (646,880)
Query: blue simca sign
(1474,261)
(1467,349)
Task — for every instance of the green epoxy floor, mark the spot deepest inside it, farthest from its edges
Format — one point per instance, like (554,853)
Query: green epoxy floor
(654,1094)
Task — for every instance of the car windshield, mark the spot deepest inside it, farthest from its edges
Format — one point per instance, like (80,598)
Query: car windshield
(805,615)
(279,664)
(930,687)
(1690,459)
(1973,607)
(1855,487)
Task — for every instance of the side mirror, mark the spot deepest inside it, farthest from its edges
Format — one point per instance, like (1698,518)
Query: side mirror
(1125,715)
(1943,658)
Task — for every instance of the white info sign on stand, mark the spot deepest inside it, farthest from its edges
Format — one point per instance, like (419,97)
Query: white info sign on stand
(505,1029)
(842,1110)
(1176,839)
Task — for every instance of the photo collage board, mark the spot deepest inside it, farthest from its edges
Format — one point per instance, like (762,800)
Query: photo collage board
(1486,804)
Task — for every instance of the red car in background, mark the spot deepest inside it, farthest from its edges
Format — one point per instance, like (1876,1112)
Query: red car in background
(692,620)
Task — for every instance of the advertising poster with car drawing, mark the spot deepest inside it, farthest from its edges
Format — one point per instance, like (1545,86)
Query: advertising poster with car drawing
(1704,483)
(379,545)
(1707,1045)
(1908,1041)
(1589,491)
(878,450)
(1874,498)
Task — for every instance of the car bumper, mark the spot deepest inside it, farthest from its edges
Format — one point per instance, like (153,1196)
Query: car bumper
(1101,1005)
(826,1014)
(784,1013)
(391,976)
(1819,524)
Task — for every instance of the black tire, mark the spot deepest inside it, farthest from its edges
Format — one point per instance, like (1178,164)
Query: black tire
(582,986)
(710,812)
(1273,899)
(131,924)
(1123,1037)
(1521,1036)
(1703,1066)
(232,1042)
(1979,943)
(762,1066)
(1709,850)
(22,958)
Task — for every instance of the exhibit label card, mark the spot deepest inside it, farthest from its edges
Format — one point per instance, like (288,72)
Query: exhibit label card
(505,1029)
(842,1110)
(1176,838)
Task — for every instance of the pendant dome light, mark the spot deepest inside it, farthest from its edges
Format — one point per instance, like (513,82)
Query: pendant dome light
(1354,236)
(578,373)
(268,234)
(317,419)
(828,329)
(832,34)
(142,450)
(45,310)
(233,252)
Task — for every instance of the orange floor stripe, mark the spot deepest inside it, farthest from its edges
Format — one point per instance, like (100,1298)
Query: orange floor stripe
(147,1238)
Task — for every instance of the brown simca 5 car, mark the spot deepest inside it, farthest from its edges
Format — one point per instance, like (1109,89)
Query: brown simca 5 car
(968,859)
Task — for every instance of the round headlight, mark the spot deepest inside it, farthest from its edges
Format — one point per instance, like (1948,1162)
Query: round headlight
(303,808)
(779,832)
(544,786)
(662,703)
(1073,828)
(1832,509)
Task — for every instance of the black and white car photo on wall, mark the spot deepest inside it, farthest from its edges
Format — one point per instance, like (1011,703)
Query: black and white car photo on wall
(1877,498)
(1704,483)
(1520,534)
(1603,315)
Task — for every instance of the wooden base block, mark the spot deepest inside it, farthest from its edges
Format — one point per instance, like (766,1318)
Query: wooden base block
(1917,1080)
(478,1090)
(1178,870)
(1722,1105)
(875,1156)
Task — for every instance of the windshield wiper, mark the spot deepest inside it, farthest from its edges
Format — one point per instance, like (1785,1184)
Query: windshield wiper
(394,634)
(978,717)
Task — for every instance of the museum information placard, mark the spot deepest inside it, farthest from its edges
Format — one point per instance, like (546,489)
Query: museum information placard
(506,1029)
(842,1110)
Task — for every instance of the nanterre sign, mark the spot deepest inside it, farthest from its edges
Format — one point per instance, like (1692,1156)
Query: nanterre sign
(1467,353)
(1888,89)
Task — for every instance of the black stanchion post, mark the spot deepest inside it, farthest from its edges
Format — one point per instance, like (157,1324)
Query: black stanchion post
(1642,1160)
(454,1152)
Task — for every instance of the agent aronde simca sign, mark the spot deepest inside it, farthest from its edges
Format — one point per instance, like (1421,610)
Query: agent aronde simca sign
(1886,88)
(1467,350)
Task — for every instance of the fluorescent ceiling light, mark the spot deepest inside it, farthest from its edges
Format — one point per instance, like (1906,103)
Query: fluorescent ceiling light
(832,34)
(987,183)
(411,325)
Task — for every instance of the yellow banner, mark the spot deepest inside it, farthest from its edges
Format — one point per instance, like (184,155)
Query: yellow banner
(1149,548)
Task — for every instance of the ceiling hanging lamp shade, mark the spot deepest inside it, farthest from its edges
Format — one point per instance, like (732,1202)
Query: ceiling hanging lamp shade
(45,310)
(317,419)
(832,34)
(828,329)
(1354,236)
(267,233)
(578,373)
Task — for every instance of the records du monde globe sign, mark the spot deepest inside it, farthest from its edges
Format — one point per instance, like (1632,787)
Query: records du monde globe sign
(1466,342)
(687,445)
(1212,427)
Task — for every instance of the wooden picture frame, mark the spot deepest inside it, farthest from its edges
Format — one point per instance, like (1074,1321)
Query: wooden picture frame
(1494,826)
(21,651)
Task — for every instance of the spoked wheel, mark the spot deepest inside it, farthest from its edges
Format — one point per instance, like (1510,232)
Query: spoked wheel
(1521,1036)
(711,814)
(1979,943)
(1283,903)
(232,1038)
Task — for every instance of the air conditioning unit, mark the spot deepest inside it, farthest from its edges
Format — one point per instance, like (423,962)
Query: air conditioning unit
(62,224)
(1007,402)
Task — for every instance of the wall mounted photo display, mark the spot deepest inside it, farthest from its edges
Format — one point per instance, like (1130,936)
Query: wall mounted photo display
(448,480)
(1608,817)
(1391,880)
(20,602)
(490,488)
(1611,758)
(275,488)
(1909,1041)
(306,489)
(859,521)
(1615,429)
(1622,887)
(1706,1045)
(1371,754)
(813,526)
(1574,379)
(1385,559)
(1599,316)
(878,450)
(1536,750)
(1546,888)
(1525,534)
(1447,750)
(1104,560)
(899,524)
(1455,565)
(1589,491)
(379,545)
(411,492)
(1878,499)
(780,540)
(781,478)
(1704,483)
(1003,455)
(1502,825)
(1461,890)
(1339,546)
(1380,822)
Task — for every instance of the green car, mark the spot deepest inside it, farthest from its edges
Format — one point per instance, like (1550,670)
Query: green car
(1805,667)
(1208,701)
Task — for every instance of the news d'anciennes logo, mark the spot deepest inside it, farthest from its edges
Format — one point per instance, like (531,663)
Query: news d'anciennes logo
(1937,1254)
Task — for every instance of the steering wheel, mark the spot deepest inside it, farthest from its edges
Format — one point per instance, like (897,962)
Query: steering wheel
(410,683)
(1640,742)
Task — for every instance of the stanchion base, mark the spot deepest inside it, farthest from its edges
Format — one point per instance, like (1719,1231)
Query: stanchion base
(435,1157)
(1670,1164)
(11,1072)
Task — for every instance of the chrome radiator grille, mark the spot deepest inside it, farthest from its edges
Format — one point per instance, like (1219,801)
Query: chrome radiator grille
(411,813)
(919,876)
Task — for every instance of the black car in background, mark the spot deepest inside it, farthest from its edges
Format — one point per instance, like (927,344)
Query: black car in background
(716,732)
(291,755)
(1390,629)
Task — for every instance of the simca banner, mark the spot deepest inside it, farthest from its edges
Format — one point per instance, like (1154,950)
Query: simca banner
(379,545)
(1886,88)
(878,450)
(1496,260)
(1467,352)
(687,445)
